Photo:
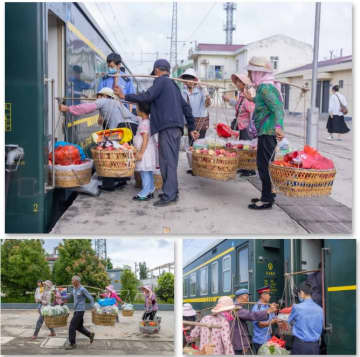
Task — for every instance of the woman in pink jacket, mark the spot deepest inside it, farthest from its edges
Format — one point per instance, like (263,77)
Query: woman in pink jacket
(110,292)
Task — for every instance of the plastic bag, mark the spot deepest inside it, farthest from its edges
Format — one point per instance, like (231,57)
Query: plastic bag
(106,302)
(91,188)
(270,348)
(65,143)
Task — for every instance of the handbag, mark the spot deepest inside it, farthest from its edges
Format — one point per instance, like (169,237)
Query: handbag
(233,124)
(343,107)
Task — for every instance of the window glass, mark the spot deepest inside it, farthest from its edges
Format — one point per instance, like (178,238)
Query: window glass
(204,281)
(214,278)
(185,290)
(193,284)
(244,265)
(227,273)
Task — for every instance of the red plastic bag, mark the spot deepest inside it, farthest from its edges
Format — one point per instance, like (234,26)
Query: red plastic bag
(286,310)
(278,341)
(66,155)
(225,131)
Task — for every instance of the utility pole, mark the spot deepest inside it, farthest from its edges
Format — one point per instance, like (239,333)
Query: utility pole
(174,41)
(229,28)
(100,248)
(312,127)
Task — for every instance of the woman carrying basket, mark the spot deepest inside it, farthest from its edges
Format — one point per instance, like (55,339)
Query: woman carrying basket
(151,306)
(269,121)
(110,292)
(244,109)
(43,299)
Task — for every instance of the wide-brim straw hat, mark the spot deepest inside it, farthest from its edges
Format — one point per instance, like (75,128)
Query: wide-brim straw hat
(259,64)
(190,72)
(242,77)
(188,310)
(225,303)
(107,91)
(147,288)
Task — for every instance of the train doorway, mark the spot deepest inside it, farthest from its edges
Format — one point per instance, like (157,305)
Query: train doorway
(311,253)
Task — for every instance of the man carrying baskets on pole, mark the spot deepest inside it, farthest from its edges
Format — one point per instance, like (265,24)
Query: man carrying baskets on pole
(79,294)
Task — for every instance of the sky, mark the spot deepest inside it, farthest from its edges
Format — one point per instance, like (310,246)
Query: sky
(154,252)
(140,29)
(192,247)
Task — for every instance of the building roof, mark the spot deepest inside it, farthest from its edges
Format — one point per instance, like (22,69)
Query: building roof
(217,47)
(51,259)
(325,63)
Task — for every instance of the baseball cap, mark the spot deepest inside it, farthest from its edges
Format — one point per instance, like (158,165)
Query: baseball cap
(161,63)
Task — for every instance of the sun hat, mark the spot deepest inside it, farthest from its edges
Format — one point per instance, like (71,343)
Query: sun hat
(111,289)
(190,72)
(241,292)
(48,283)
(225,303)
(242,77)
(146,288)
(107,91)
(188,310)
(259,64)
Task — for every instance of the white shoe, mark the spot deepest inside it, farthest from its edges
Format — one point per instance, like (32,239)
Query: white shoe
(330,137)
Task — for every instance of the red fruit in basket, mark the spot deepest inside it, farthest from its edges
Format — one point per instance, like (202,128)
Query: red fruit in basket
(240,146)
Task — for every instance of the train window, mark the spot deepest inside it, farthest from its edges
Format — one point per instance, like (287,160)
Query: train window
(244,265)
(193,284)
(214,275)
(227,273)
(204,281)
(185,290)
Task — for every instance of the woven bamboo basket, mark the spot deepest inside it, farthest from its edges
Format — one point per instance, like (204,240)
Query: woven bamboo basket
(214,167)
(297,182)
(103,319)
(158,182)
(115,163)
(247,159)
(127,312)
(56,321)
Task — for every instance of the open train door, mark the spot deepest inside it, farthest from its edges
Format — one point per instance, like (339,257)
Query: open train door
(339,261)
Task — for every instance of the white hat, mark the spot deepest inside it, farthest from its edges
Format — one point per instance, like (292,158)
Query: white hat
(107,91)
(190,72)
(259,64)
(188,310)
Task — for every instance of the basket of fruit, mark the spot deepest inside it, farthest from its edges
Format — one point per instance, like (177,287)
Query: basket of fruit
(114,160)
(150,326)
(220,164)
(55,316)
(246,154)
(303,173)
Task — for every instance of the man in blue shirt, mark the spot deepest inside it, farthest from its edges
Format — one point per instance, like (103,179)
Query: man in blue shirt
(168,109)
(262,329)
(307,321)
(79,293)
(77,84)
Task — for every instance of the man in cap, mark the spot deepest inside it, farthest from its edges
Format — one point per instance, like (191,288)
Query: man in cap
(262,332)
(306,319)
(168,109)
(79,293)
(241,336)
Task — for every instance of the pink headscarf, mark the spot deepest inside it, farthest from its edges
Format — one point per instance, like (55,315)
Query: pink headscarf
(258,78)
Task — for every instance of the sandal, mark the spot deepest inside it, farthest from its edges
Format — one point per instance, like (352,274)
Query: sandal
(263,205)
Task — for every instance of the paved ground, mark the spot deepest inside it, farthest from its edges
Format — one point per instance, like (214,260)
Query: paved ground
(124,338)
(211,207)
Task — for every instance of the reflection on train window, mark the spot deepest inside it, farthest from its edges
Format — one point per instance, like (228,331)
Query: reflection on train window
(214,277)
(244,265)
(227,273)
(204,281)
(185,290)
(193,284)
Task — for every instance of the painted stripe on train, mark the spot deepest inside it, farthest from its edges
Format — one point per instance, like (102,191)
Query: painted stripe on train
(210,260)
(74,30)
(342,288)
(206,299)
(90,121)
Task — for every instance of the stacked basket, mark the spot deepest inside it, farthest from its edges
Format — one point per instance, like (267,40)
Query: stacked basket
(247,159)
(103,319)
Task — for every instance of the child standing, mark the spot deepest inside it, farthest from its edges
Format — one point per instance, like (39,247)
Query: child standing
(146,156)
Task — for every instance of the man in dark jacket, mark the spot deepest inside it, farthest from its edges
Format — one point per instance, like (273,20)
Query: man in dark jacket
(241,337)
(168,109)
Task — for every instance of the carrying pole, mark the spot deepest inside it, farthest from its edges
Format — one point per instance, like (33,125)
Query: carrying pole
(312,131)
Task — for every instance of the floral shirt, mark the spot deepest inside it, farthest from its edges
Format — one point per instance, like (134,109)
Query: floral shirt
(269,110)
(150,303)
(244,109)
(220,337)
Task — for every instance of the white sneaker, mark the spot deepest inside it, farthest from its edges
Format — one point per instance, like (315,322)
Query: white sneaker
(330,137)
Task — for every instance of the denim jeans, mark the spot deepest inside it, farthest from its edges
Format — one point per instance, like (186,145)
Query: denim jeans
(147,180)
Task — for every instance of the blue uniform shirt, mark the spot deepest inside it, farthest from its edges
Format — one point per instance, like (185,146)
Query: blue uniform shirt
(307,320)
(80,294)
(261,334)
(126,86)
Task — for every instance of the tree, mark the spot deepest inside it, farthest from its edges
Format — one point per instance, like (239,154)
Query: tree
(143,270)
(165,289)
(129,285)
(23,263)
(108,264)
(77,257)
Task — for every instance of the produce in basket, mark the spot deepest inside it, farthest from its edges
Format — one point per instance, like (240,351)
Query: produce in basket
(275,346)
(55,310)
(106,310)
(127,307)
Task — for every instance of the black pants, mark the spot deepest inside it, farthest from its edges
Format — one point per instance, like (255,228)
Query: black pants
(300,347)
(149,315)
(202,133)
(169,147)
(241,352)
(256,347)
(265,150)
(77,324)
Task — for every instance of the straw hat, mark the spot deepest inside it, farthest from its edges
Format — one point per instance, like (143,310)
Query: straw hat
(190,72)
(107,91)
(225,303)
(259,64)
(147,288)
(111,289)
(48,283)
(188,310)
(242,77)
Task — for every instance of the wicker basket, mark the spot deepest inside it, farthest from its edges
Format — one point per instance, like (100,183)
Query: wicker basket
(247,159)
(283,325)
(214,167)
(158,182)
(56,321)
(127,312)
(103,319)
(72,175)
(297,182)
(115,163)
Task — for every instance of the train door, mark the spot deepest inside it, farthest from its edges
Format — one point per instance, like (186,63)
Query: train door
(310,254)
(55,58)
(339,257)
